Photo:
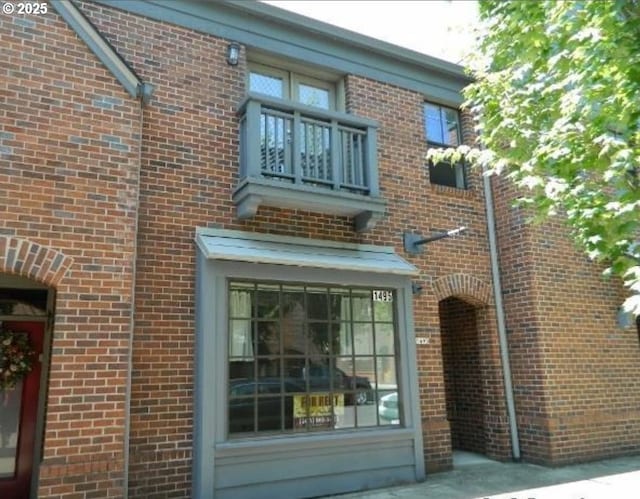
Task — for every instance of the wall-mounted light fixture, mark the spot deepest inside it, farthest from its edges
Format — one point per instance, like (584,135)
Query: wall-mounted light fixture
(233,53)
(413,242)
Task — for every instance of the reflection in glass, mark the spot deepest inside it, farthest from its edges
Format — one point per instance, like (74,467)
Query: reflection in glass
(242,412)
(339,305)
(342,339)
(361,307)
(10,403)
(269,413)
(386,373)
(317,305)
(294,344)
(383,311)
(384,339)
(294,369)
(363,339)
(319,340)
(313,96)
(268,338)
(265,84)
(388,407)
(268,302)
(268,368)
(294,338)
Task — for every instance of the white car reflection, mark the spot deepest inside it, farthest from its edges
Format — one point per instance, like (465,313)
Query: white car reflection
(388,408)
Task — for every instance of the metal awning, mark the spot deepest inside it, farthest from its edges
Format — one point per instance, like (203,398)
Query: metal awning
(218,244)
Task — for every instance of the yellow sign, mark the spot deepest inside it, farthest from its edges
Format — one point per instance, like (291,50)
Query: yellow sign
(317,410)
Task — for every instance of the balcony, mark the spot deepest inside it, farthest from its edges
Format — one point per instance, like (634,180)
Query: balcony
(298,156)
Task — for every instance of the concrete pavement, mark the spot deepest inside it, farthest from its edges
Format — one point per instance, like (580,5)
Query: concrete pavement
(477,477)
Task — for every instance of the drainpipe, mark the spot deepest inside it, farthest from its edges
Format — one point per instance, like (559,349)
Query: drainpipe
(502,331)
(132,323)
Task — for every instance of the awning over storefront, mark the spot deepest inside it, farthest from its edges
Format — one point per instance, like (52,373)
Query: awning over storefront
(252,247)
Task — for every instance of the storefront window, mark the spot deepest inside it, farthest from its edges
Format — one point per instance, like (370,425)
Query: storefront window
(310,358)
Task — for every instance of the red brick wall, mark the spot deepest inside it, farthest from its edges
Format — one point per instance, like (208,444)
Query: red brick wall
(72,149)
(463,374)
(69,156)
(194,109)
(416,205)
(575,373)
(473,379)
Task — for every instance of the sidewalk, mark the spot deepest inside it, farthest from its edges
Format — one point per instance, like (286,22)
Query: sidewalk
(477,477)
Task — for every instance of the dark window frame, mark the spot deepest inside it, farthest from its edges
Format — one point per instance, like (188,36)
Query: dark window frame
(443,173)
(287,388)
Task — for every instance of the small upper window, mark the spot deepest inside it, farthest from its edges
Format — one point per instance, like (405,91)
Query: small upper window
(283,84)
(442,129)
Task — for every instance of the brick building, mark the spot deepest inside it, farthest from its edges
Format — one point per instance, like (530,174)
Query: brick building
(204,217)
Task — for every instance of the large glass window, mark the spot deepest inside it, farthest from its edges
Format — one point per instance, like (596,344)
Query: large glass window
(442,129)
(306,358)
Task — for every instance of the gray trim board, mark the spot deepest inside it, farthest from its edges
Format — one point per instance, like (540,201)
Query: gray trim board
(103,50)
(316,463)
(301,252)
(253,192)
(296,37)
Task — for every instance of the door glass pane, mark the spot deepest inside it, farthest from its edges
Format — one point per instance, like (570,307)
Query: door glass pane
(313,96)
(266,84)
(10,402)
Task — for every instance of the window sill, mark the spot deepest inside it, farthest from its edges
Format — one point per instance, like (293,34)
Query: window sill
(468,193)
(301,441)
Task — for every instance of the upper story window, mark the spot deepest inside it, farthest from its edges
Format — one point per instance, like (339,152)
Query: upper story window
(442,129)
(288,85)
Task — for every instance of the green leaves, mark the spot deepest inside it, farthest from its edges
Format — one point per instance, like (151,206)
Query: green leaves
(557,98)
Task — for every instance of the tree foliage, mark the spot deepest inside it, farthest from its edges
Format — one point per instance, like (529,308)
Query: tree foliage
(556,94)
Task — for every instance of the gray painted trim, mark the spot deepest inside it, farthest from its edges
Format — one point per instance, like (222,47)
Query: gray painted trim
(103,50)
(316,112)
(254,192)
(299,38)
(211,348)
(205,348)
(42,394)
(321,243)
(302,254)
(412,392)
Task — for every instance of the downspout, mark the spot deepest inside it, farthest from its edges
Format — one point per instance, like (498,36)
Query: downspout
(502,331)
(144,90)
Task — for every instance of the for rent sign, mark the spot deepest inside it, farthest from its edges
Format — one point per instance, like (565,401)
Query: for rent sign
(318,410)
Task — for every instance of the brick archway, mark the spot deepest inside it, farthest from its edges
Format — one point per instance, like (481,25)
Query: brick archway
(472,369)
(32,260)
(463,286)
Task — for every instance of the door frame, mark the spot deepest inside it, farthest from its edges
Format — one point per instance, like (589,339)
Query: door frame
(44,380)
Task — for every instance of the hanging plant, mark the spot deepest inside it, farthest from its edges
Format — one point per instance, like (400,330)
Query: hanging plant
(16,358)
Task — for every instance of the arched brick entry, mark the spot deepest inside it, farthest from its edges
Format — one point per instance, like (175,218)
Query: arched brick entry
(463,286)
(476,409)
(32,260)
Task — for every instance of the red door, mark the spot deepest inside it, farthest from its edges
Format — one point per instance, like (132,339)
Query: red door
(18,413)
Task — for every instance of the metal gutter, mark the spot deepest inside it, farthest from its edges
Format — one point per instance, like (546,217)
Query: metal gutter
(103,50)
(294,20)
(502,330)
(298,39)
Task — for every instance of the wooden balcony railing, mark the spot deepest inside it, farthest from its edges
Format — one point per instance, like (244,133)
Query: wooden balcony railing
(298,156)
